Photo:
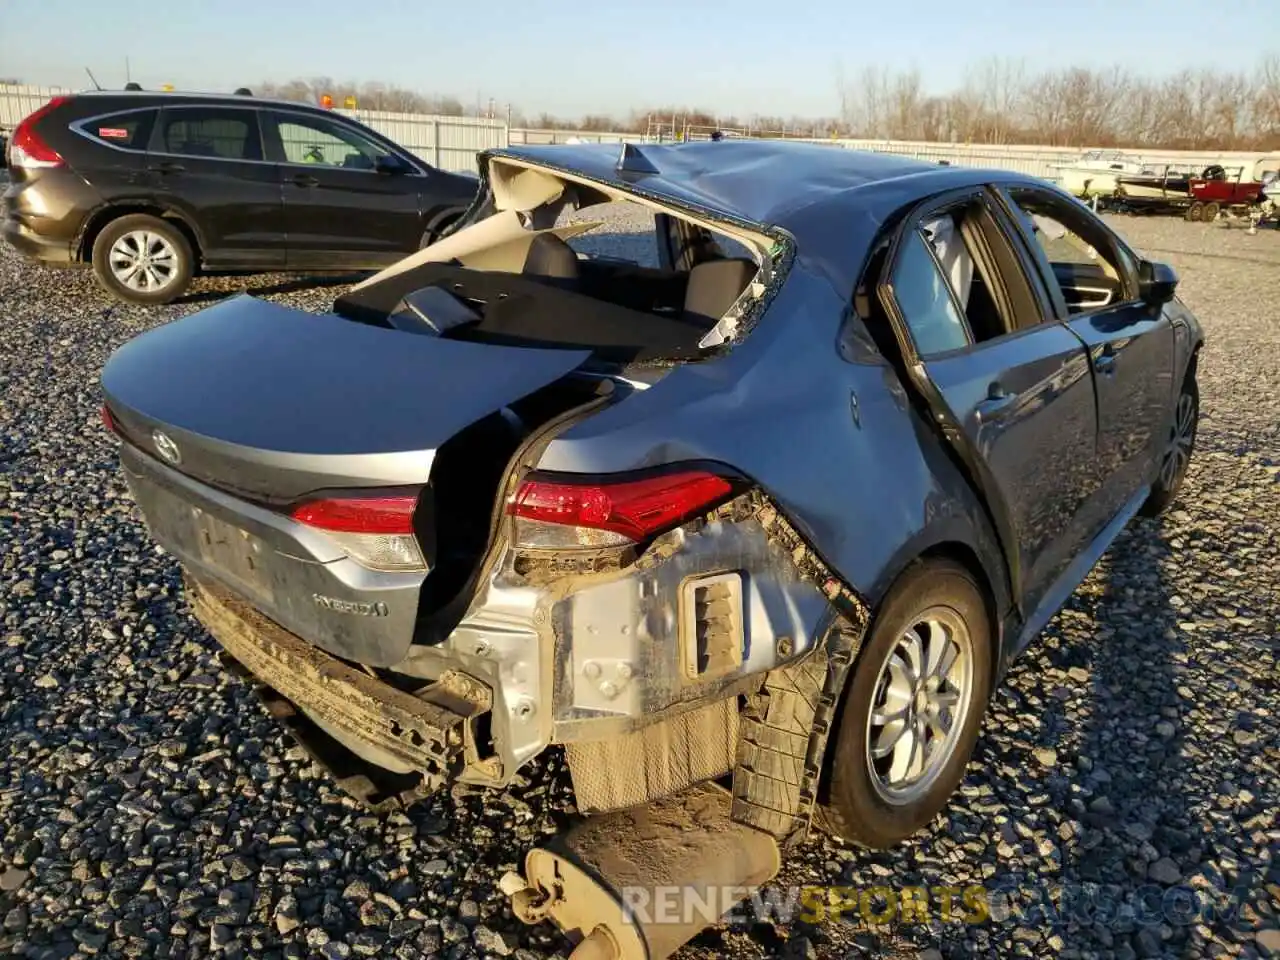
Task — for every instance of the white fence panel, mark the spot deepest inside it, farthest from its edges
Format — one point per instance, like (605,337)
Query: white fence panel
(1042,161)
(18,100)
(450,143)
(531,136)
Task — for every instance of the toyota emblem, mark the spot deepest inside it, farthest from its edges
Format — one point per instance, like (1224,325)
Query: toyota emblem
(165,446)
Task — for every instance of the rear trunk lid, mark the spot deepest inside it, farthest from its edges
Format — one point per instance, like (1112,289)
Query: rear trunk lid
(236,411)
(272,403)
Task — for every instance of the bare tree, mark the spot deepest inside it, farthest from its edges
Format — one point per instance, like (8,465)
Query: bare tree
(997,102)
(994,91)
(1266,103)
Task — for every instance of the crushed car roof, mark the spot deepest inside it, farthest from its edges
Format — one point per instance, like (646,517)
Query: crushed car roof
(831,199)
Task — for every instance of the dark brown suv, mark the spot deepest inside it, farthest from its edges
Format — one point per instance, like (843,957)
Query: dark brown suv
(150,187)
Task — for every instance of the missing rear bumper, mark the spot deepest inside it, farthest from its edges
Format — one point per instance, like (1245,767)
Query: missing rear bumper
(422,732)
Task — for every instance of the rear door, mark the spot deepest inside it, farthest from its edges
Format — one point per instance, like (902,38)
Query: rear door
(1092,280)
(117,165)
(1010,391)
(344,204)
(207,162)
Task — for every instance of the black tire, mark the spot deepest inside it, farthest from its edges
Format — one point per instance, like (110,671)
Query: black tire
(1169,476)
(854,808)
(438,227)
(181,260)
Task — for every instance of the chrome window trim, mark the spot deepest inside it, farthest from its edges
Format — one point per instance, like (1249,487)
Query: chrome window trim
(418,168)
(77,126)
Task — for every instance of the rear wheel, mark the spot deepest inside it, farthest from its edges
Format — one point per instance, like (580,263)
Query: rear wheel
(438,228)
(1177,452)
(142,259)
(1195,211)
(1210,212)
(912,708)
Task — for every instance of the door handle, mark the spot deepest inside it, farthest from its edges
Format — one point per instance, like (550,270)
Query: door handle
(167,166)
(1105,361)
(998,399)
(305,180)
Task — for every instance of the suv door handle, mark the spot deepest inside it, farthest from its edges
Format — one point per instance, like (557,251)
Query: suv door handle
(998,399)
(167,166)
(305,180)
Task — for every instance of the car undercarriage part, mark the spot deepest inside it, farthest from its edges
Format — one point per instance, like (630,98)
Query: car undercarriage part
(637,884)
(658,760)
(422,734)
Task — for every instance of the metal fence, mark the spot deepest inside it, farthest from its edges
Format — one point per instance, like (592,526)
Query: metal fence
(451,143)
(529,135)
(16,101)
(1043,161)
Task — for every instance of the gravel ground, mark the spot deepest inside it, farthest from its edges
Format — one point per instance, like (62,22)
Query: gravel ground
(149,808)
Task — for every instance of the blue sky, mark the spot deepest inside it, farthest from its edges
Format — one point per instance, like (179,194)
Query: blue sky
(745,56)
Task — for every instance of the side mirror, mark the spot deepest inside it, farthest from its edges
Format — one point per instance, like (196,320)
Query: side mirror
(390,163)
(1157,282)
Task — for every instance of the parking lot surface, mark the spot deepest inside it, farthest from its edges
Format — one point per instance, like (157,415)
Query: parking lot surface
(148,807)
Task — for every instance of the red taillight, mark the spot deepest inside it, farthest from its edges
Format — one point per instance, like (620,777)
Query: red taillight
(359,514)
(375,530)
(108,420)
(26,148)
(594,514)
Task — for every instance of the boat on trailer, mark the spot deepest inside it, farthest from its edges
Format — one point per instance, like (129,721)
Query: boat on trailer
(1094,173)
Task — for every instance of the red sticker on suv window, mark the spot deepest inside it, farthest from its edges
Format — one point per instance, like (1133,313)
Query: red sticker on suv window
(113,133)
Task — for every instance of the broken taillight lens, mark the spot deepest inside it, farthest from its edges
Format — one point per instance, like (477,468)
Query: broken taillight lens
(555,513)
(375,530)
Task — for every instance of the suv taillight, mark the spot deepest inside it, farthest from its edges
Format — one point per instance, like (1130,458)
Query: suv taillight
(554,513)
(374,529)
(26,147)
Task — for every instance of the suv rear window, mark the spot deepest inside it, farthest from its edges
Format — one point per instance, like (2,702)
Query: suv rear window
(225,134)
(129,131)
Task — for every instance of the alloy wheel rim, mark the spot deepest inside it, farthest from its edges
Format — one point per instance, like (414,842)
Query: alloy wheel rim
(1182,436)
(143,261)
(922,698)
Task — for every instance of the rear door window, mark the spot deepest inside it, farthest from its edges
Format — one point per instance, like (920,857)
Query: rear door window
(214,132)
(128,131)
(926,300)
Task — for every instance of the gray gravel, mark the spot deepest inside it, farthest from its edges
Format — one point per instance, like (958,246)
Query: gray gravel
(148,807)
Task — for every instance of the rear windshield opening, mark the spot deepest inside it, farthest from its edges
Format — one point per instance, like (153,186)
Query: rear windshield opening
(582,270)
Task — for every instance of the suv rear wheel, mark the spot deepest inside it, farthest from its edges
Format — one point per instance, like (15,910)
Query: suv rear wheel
(142,259)
(912,708)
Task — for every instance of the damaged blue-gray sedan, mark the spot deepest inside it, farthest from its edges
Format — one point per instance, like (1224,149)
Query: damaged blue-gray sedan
(751,533)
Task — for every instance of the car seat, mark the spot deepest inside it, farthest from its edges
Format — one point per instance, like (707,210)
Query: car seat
(551,259)
(713,287)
